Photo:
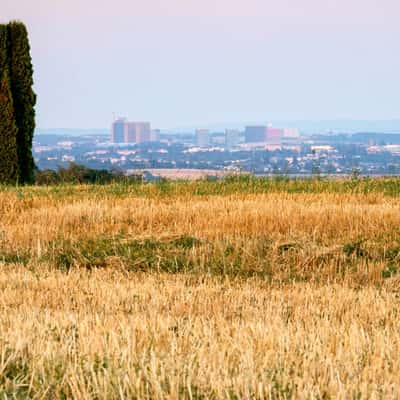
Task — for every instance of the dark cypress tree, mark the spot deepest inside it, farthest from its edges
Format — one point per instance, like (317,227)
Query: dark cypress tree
(21,76)
(9,168)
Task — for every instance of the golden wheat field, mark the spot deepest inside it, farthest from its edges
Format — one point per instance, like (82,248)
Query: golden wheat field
(241,290)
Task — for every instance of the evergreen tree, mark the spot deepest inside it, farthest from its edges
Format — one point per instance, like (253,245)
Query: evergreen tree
(21,76)
(9,168)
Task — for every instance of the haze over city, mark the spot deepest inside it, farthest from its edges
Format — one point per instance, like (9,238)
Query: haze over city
(189,63)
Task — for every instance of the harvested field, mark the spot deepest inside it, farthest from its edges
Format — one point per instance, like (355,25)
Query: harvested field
(236,289)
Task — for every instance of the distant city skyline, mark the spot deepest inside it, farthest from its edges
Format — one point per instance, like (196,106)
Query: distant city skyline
(190,63)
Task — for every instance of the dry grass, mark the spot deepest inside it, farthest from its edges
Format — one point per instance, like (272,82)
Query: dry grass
(111,292)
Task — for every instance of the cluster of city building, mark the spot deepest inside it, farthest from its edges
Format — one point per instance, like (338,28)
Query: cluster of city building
(124,131)
(260,150)
(270,138)
(267,137)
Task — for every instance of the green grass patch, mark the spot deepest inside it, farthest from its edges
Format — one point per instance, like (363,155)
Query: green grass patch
(15,257)
(260,257)
(227,186)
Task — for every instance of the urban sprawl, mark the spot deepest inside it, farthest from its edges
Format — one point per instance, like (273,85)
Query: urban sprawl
(134,147)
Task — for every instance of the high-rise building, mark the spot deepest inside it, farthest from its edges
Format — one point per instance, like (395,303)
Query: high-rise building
(202,137)
(118,130)
(274,135)
(255,134)
(123,131)
(291,133)
(143,132)
(232,137)
(155,135)
(130,132)
(137,132)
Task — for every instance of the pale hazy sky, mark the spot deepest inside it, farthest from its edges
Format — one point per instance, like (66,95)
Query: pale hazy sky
(187,62)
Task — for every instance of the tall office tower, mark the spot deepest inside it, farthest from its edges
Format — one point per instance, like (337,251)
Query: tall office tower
(274,135)
(143,132)
(231,138)
(202,137)
(155,135)
(118,128)
(137,132)
(255,134)
(291,133)
(130,133)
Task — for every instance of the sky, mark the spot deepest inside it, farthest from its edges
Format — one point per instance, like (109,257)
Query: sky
(198,62)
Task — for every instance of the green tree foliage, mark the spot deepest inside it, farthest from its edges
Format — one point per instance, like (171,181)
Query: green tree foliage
(79,174)
(21,76)
(9,168)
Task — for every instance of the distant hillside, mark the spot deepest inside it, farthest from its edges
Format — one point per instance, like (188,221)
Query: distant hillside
(71,132)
